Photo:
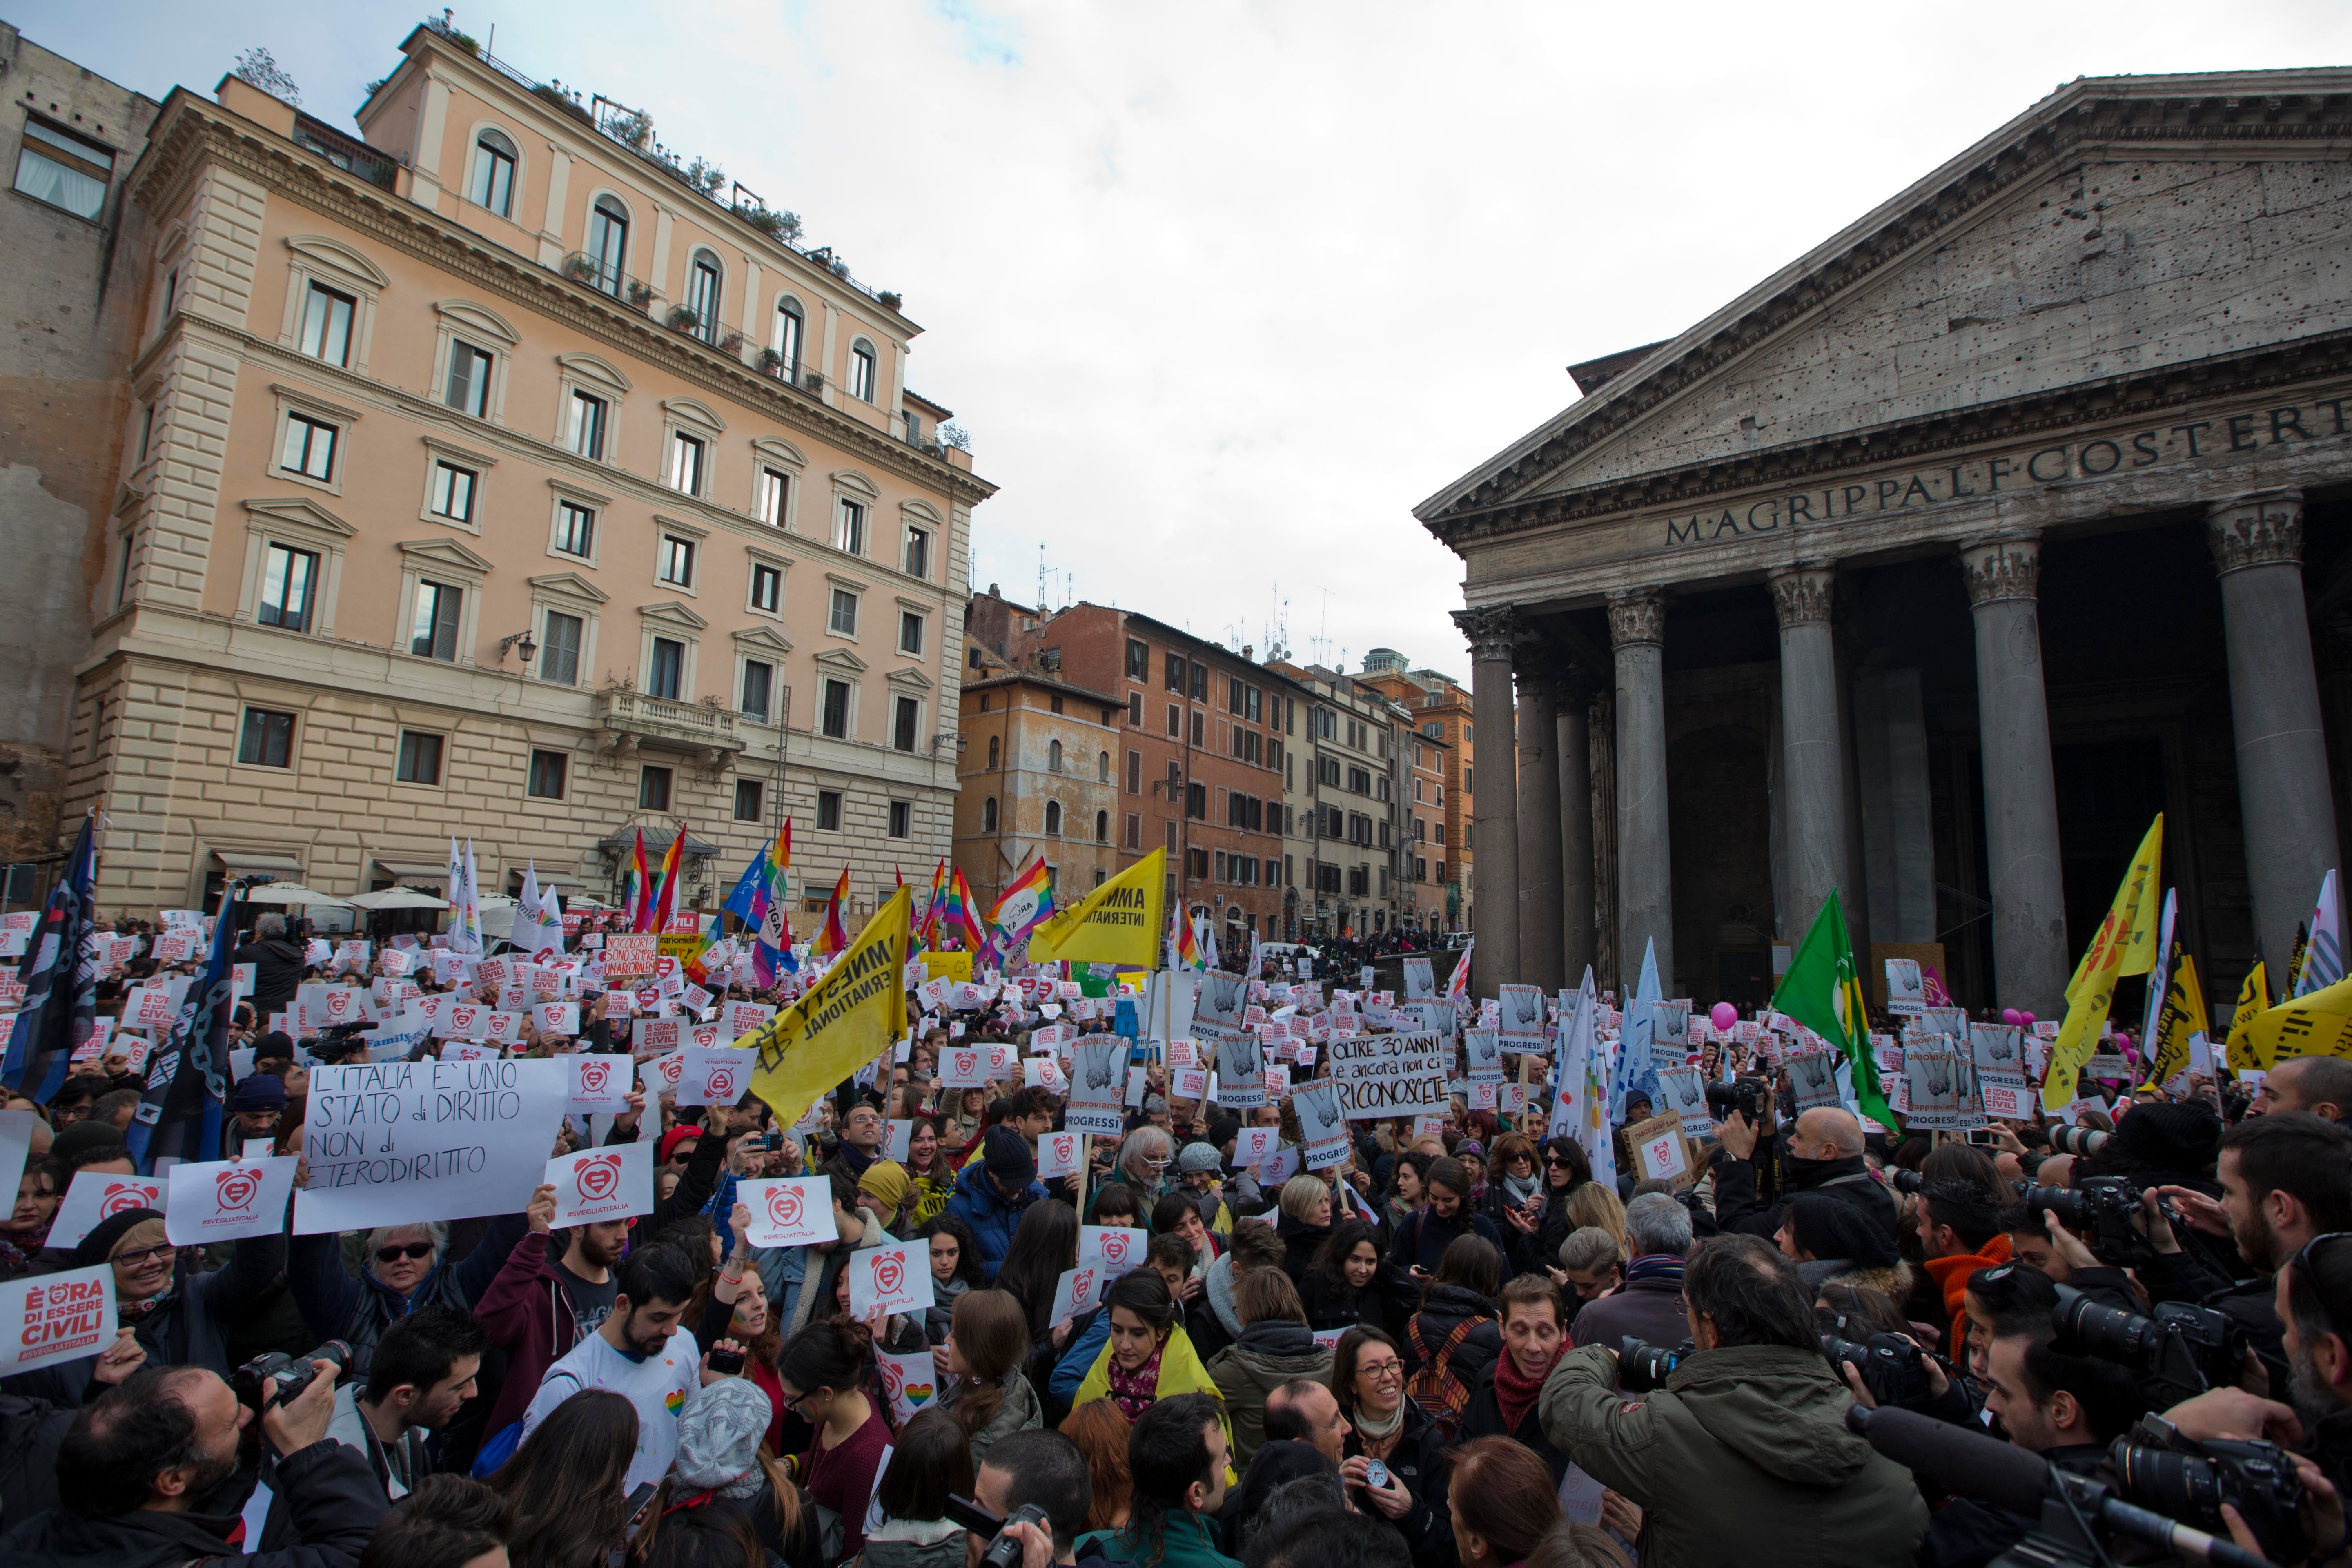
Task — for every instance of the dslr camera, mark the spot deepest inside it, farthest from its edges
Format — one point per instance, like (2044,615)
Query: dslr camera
(1744,1094)
(1892,1368)
(1003,1551)
(2179,1347)
(276,1376)
(2189,1480)
(1641,1367)
(2100,1210)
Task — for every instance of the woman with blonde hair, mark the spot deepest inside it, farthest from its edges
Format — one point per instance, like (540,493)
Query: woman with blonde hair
(1594,1204)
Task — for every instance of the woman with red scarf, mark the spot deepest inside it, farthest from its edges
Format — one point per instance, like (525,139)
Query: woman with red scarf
(1535,1336)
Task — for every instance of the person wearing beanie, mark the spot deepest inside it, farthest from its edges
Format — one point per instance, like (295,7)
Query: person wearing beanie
(993,1192)
(1830,1240)
(173,1310)
(882,1191)
(2173,1142)
(254,1106)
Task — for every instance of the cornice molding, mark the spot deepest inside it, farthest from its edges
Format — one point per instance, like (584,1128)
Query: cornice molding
(2290,108)
(191,130)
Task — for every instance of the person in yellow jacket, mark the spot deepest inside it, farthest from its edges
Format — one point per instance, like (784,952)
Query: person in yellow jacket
(1146,1356)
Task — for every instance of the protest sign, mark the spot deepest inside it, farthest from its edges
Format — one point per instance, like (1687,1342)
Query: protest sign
(895,1137)
(631,955)
(1943,1097)
(1043,1072)
(1521,1017)
(1682,1090)
(713,1075)
(1080,1289)
(1420,980)
(1097,1074)
(1483,1051)
(1058,1155)
(16,1147)
(1327,1339)
(789,1211)
(1322,1125)
(406,1142)
(93,1196)
(50,1317)
(557,1017)
(224,1200)
(611,1183)
(742,1019)
(1812,1077)
(1138,1079)
(1997,1051)
(889,1279)
(1659,1151)
(1189,1083)
(911,1381)
(1116,1248)
(1253,1144)
(1389,1075)
(963,1067)
(1241,1081)
(1907,989)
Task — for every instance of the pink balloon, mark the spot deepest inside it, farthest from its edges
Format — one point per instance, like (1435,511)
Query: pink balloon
(2025,1018)
(2010,1015)
(1724,1015)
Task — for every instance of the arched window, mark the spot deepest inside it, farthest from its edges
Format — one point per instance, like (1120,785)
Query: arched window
(789,325)
(1054,758)
(1102,826)
(1053,820)
(608,245)
(1102,767)
(992,753)
(861,370)
(492,184)
(988,815)
(702,279)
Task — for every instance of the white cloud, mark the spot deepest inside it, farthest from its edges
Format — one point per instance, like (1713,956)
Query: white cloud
(1220,289)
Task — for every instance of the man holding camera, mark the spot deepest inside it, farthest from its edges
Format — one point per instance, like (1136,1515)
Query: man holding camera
(422,1371)
(1046,1470)
(1747,1440)
(143,1458)
(1824,1154)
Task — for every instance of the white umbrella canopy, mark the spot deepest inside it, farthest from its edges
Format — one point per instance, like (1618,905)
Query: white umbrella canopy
(290,893)
(396,898)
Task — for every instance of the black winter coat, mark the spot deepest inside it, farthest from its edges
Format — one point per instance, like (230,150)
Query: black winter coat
(334,1499)
(1446,1308)
(1419,1461)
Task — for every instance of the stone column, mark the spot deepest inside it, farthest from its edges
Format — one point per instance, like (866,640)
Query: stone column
(1539,792)
(2284,795)
(1574,728)
(1495,801)
(1645,893)
(1813,764)
(2020,798)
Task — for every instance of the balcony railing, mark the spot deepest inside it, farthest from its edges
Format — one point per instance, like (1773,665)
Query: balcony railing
(345,153)
(583,266)
(630,719)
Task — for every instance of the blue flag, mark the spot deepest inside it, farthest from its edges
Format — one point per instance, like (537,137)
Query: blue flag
(1634,1071)
(180,1115)
(748,887)
(60,979)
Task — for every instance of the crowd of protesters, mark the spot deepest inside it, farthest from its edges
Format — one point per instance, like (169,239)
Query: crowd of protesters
(1449,1348)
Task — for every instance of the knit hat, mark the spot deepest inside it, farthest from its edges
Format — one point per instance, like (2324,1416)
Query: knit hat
(258,1091)
(93,1248)
(1007,1156)
(87,1137)
(1827,1228)
(886,1181)
(1198,1157)
(275,1046)
(671,1140)
(718,1433)
(2182,1135)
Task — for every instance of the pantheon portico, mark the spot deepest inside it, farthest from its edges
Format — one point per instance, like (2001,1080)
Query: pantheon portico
(1935,566)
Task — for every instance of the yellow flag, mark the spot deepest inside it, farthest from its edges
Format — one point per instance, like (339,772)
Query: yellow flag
(2181,1020)
(1118,923)
(2315,1023)
(846,1020)
(2253,995)
(2130,920)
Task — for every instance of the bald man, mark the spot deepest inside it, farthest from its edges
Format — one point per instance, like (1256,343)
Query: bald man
(2321,1085)
(1823,1155)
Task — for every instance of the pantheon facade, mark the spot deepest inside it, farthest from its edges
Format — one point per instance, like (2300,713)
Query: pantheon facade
(1936,565)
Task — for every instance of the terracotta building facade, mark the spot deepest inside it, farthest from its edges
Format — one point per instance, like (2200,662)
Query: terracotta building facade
(1037,781)
(1438,820)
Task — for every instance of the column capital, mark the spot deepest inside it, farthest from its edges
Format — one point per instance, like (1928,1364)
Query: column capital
(1802,593)
(2263,528)
(1637,615)
(2002,566)
(1490,631)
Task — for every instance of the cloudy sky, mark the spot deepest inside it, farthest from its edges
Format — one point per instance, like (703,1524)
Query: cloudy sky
(1220,289)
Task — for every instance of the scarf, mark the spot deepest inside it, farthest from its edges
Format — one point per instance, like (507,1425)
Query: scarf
(1515,1393)
(1133,1391)
(1379,1437)
(1655,1266)
(1519,1190)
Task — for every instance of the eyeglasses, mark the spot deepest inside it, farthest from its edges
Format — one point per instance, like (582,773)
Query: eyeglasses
(413,1249)
(134,1257)
(1380,1370)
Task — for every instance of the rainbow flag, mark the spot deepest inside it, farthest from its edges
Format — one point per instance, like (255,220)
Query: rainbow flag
(641,892)
(959,914)
(665,895)
(771,950)
(1183,947)
(1026,904)
(935,911)
(833,938)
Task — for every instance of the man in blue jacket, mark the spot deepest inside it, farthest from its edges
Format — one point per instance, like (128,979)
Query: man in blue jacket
(992,1191)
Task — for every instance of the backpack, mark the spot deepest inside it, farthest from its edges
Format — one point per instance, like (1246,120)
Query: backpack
(1441,1395)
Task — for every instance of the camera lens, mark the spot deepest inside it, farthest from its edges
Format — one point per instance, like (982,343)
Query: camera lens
(2108,1332)
(2178,1486)
(1643,1367)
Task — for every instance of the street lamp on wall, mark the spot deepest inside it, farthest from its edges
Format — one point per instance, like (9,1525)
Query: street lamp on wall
(525,648)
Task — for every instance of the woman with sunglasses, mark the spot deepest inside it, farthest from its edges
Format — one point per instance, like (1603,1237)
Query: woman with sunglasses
(405,1269)
(1563,1169)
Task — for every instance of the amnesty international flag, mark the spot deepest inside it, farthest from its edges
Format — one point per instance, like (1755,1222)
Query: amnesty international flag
(1118,923)
(2117,944)
(2253,995)
(844,1021)
(2181,1023)
(2315,1023)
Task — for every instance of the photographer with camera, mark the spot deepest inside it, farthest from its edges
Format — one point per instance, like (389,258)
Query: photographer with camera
(1747,1441)
(1042,1469)
(144,1457)
(2285,1178)
(422,1371)
(2039,1239)
(1824,1154)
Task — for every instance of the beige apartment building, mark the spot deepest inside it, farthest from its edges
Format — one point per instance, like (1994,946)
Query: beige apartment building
(1346,792)
(486,476)
(1438,821)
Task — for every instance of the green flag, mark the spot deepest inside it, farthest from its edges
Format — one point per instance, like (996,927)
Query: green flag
(1822,992)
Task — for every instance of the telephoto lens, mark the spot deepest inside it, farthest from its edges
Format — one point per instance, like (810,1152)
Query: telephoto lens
(2078,1140)
(2257,1478)
(1643,1367)
(1904,1181)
